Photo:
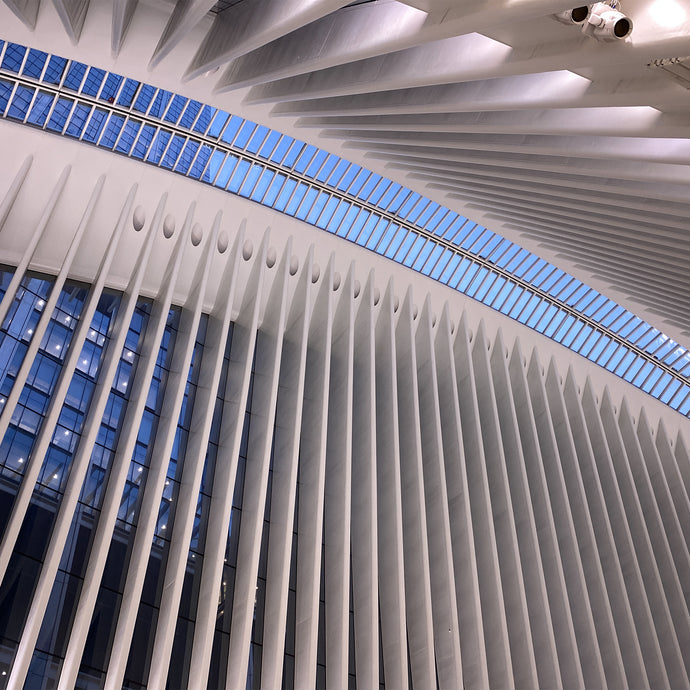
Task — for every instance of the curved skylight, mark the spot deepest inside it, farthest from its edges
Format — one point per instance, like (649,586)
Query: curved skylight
(215,147)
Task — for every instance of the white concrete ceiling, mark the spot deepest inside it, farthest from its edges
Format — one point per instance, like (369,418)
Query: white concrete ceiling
(576,148)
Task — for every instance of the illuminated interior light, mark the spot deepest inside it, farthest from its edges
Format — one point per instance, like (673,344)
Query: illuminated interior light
(668,14)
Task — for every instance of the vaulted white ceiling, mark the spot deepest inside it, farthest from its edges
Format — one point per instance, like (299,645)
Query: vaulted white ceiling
(576,148)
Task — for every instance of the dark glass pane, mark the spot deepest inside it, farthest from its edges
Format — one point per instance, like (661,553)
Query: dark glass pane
(13,58)
(34,63)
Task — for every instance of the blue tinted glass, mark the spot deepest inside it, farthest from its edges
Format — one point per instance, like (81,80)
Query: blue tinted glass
(5,92)
(127,93)
(200,162)
(34,63)
(306,153)
(128,136)
(13,58)
(75,74)
(231,128)
(238,175)
(93,81)
(59,115)
(175,109)
(112,130)
(160,103)
(20,102)
(143,101)
(144,141)
(173,151)
(40,108)
(43,375)
(269,144)
(158,147)
(111,87)
(185,160)
(95,126)
(257,139)
(282,149)
(54,70)
(244,134)
(213,166)
(218,123)
(78,120)
(190,113)
(204,119)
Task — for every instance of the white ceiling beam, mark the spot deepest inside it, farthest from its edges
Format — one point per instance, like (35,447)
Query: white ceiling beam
(530,91)
(602,121)
(249,25)
(674,151)
(370,30)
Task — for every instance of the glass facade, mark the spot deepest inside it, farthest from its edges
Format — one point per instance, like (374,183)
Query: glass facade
(17,447)
(31,546)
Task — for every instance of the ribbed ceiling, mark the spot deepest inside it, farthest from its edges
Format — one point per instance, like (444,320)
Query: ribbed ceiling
(546,134)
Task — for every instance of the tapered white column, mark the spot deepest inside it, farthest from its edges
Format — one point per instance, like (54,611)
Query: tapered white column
(415,541)
(285,467)
(235,401)
(498,650)
(200,427)
(312,475)
(267,359)
(389,508)
(623,619)
(470,623)
(364,532)
(543,640)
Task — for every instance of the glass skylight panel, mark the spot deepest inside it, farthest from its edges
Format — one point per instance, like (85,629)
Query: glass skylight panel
(341,197)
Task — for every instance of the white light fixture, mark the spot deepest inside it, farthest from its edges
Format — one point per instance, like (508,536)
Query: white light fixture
(575,16)
(607,23)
